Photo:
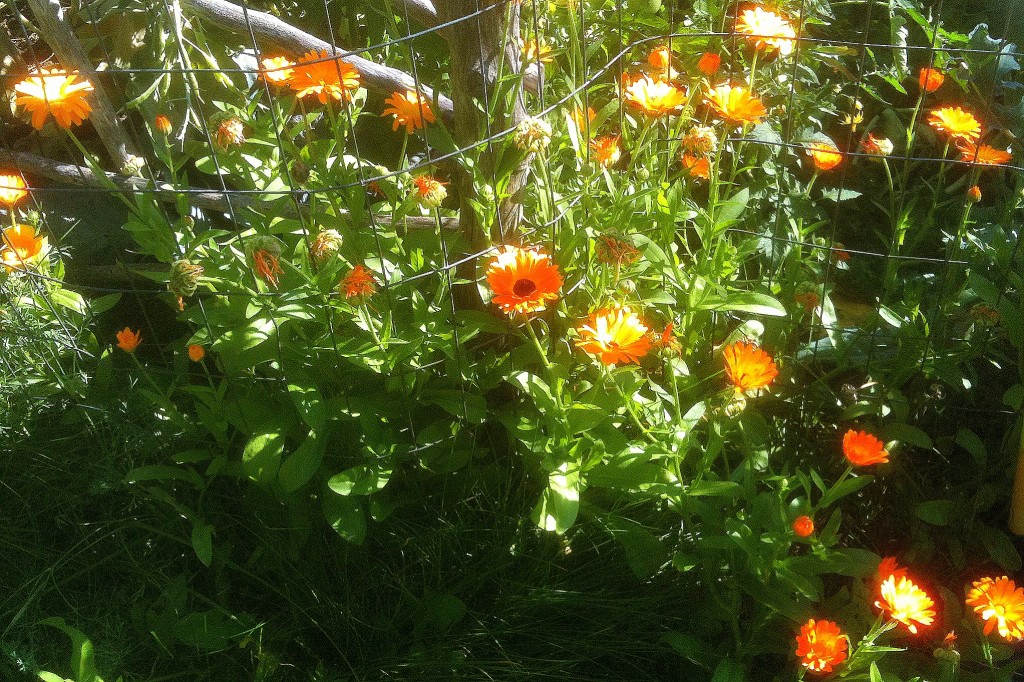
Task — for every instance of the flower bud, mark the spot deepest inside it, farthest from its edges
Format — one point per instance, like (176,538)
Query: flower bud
(974,194)
(533,135)
(184,279)
(325,247)
(429,193)
(133,166)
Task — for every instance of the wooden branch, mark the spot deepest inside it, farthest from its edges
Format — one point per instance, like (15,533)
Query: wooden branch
(276,34)
(217,202)
(422,12)
(57,33)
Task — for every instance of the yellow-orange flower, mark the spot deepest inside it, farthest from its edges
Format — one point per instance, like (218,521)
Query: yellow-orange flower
(821,646)
(1000,604)
(267,265)
(767,30)
(982,154)
(524,281)
(660,57)
(605,150)
(655,97)
(955,122)
(128,340)
(697,166)
(317,73)
(974,194)
(825,156)
(57,92)
(863,449)
(905,602)
(230,131)
(615,335)
(196,353)
(930,79)
(890,567)
(748,367)
(21,247)
(803,526)
(534,51)
(410,109)
(277,70)
(735,104)
(162,124)
(12,189)
(582,120)
(359,283)
(709,63)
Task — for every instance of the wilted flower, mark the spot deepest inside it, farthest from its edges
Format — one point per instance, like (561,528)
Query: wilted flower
(982,154)
(606,150)
(905,602)
(358,283)
(196,353)
(265,253)
(533,135)
(984,315)
(410,109)
(317,73)
(1000,604)
(825,156)
(429,193)
(709,63)
(803,526)
(21,247)
(615,251)
(162,124)
(863,449)
(700,140)
(667,339)
(277,70)
(524,281)
(821,646)
(656,97)
(735,104)
(534,51)
(326,246)
(12,189)
(128,340)
(615,335)
(955,122)
(748,367)
(807,296)
(877,146)
(57,92)
(930,79)
(184,280)
(133,166)
(228,130)
(767,30)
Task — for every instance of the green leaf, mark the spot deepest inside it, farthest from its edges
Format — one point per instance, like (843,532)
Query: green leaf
(847,487)
(359,480)
(202,542)
(729,671)
(346,516)
(299,467)
(161,472)
(560,502)
(1000,547)
(935,512)
(262,456)
(82,659)
(874,674)
(715,489)
(307,400)
(730,210)
(747,302)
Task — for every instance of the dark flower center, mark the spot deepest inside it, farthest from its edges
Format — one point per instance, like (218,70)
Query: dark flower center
(524,287)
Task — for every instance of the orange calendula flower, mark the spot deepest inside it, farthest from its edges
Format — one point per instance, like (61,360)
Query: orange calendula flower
(429,192)
(162,124)
(877,146)
(930,79)
(582,120)
(21,247)
(974,194)
(534,51)
(265,253)
(767,30)
(277,70)
(803,526)
(825,156)
(667,339)
(410,109)
(709,63)
(317,73)
(955,122)
(655,97)
(735,104)
(230,132)
(359,283)
(697,166)
(12,189)
(524,281)
(660,58)
(862,449)
(890,567)
(57,92)
(196,353)
(1000,604)
(905,602)
(748,366)
(982,154)
(615,336)
(128,340)
(808,298)
(821,646)
(605,150)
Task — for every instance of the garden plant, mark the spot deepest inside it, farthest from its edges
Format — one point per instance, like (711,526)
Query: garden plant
(501,340)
